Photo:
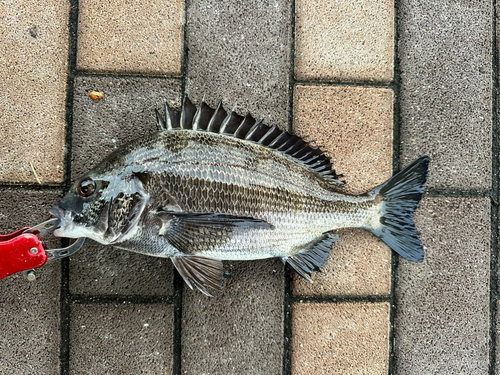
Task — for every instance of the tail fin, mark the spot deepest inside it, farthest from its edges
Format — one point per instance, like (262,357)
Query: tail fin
(401,195)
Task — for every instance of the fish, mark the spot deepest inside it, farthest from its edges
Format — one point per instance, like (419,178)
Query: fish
(213,185)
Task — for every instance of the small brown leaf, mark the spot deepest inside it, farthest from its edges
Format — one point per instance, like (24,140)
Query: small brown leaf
(96,95)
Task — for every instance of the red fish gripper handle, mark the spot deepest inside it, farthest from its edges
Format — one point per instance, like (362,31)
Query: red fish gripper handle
(20,252)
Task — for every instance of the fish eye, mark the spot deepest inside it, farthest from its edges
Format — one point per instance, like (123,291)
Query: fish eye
(86,188)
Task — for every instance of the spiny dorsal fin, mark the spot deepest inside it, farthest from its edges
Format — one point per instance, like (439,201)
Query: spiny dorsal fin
(247,128)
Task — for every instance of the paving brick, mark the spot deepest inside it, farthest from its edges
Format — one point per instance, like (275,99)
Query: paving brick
(344,40)
(131,37)
(353,125)
(33,66)
(125,113)
(240,330)
(359,265)
(442,321)
(446,87)
(497,358)
(343,338)
(29,311)
(121,339)
(103,270)
(239,51)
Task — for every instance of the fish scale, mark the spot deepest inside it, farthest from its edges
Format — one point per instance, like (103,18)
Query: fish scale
(212,186)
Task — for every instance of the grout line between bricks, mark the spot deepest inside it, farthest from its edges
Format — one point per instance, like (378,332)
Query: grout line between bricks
(65,308)
(178,281)
(177,334)
(119,299)
(65,305)
(185,56)
(396,148)
(288,297)
(366,84)
(346,299)
(32,187)
(82,73)
(494,198)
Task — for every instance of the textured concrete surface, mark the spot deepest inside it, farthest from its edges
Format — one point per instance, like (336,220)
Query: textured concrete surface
(33,66)
(354,126)
(240,330)
(121,339)
(359,265)
(343,338)
(446,86)
(103,270)
(239,51)
(131,37)
(346,41)
(29,311)
(442,321)
(126,112)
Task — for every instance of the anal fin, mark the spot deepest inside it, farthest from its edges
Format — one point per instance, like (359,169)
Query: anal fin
(313,257)
(201,272)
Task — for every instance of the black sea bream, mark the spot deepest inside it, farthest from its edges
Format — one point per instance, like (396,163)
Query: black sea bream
(213,186)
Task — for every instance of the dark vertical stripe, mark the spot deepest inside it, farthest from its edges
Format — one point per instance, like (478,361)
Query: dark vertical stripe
(494,263)
(65,308)
(396,86)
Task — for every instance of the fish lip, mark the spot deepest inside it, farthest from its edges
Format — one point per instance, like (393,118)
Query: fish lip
(65,217)
(57,212)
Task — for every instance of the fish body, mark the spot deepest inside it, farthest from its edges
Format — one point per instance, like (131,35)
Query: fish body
(213,186)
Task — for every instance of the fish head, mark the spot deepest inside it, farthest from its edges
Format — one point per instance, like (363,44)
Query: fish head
(105,207)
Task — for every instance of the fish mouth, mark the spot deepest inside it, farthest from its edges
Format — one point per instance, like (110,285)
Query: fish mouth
(66,219)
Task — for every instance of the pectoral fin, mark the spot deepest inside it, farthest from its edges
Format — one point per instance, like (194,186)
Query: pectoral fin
(201,272)
(192,233)
(312,257)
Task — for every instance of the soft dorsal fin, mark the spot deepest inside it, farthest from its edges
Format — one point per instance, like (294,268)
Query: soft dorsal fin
(247,128)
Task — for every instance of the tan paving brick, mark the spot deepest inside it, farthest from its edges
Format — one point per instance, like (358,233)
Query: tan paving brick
(344,40)
(344,338)
(33,66)
(131,37)
(359,265)
(354,125)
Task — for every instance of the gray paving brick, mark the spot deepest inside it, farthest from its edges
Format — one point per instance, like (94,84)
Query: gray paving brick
(126,112)
(446,86)
(240,330)
(103,270)
(29,311)
(442,320)
(121,339)
(239,51)
(33,68)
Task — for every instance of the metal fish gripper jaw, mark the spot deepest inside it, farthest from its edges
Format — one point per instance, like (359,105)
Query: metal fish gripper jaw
(25,249)
(42,229)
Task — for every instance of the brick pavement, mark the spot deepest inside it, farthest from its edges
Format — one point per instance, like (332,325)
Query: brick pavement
(326,70)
